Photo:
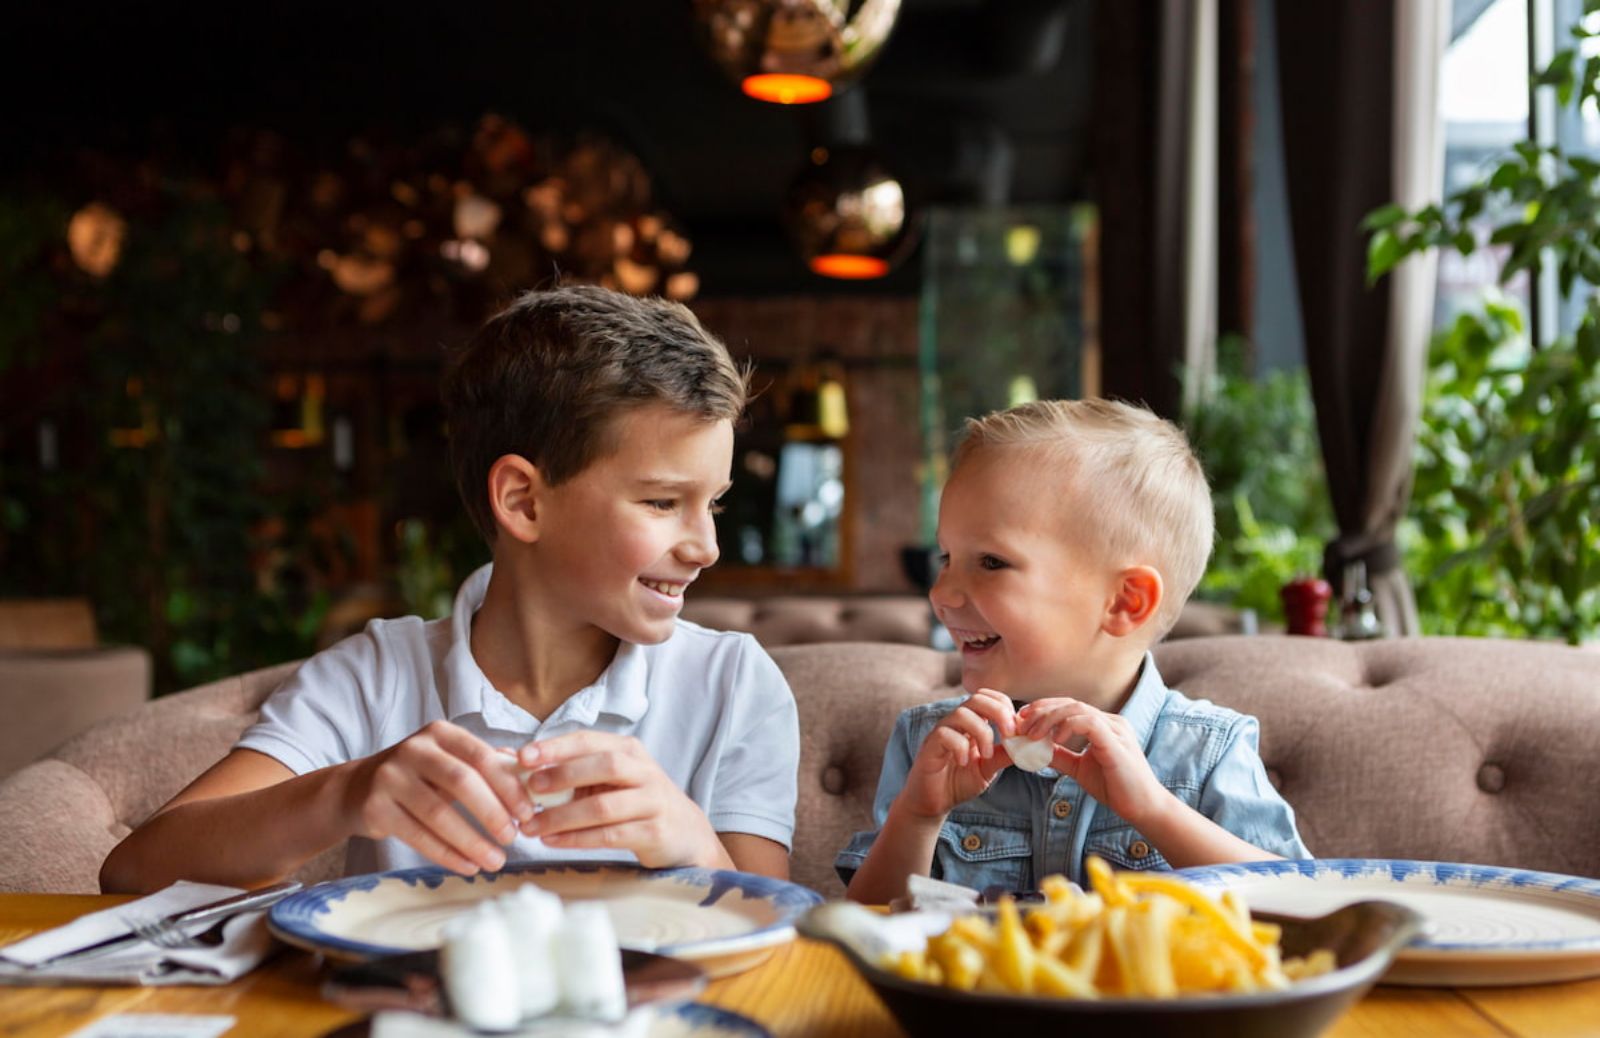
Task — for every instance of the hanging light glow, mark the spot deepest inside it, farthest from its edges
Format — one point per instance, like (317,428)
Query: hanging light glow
(848,215)
(794,51)
(94,236)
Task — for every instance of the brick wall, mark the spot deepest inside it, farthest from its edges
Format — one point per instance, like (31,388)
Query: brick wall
(875,338)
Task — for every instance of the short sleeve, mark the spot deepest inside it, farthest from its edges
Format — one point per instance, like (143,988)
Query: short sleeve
(756,783)
(1240,798)
(323,714)
(898,755)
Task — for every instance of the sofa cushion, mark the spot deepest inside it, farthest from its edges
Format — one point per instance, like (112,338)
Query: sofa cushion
(848,695)
(47,696)
(1449,749)
(803,619)
(59,826)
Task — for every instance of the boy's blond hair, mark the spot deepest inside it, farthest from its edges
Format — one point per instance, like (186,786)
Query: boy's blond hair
(1141,495)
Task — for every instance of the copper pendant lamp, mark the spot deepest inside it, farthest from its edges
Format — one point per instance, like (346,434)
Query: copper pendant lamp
(794,51)
(848,214)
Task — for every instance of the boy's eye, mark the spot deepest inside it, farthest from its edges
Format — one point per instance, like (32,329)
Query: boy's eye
(662,505)
(991,562)
(716,507)
(942,559)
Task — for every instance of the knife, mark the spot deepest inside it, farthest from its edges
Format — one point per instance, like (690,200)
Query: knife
(249,901)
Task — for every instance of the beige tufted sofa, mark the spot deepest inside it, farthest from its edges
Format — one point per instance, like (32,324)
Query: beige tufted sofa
(1446,749)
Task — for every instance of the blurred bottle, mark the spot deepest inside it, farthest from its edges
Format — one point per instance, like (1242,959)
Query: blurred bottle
(1358,617)
(1305,605)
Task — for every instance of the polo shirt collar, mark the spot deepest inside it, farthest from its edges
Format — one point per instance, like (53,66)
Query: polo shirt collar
(620,691)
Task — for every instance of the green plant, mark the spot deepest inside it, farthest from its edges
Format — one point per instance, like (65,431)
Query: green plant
(1503,537)
(158,514)
(1257,439)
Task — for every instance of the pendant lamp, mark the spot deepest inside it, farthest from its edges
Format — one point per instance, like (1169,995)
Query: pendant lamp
(848,214)
(794,51)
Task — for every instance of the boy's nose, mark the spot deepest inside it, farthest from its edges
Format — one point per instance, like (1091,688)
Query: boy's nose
(699,545)
(945,592)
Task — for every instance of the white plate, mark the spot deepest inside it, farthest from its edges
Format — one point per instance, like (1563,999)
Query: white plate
(1487,925)
(686,1020)
(724,922)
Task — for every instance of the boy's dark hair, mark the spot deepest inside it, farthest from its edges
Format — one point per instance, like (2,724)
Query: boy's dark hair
(546,378)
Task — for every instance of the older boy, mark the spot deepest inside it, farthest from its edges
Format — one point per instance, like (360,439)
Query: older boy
(591,436)
(1071,532)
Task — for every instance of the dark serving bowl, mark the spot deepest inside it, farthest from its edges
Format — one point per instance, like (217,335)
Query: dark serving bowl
(1363,937)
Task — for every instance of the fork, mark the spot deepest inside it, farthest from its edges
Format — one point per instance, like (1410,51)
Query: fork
(175,927)
(165,933)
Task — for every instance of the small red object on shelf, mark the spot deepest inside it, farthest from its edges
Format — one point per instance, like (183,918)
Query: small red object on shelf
(1305,605)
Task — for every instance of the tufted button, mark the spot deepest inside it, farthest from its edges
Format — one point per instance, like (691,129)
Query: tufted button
(971,841)
(1275,777)
(833,780)
(1061,808)
(1140,850)
(1491,778)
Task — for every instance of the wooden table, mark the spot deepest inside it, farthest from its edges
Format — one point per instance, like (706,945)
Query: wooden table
(805,989)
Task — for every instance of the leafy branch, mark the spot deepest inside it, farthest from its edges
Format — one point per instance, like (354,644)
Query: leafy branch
(1503,535)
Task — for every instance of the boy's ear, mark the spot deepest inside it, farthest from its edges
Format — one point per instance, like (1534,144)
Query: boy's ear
(1138,594)
(515,489)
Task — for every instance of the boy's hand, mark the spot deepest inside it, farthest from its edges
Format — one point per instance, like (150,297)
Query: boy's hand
(961,756)
(625,802)
(1112,767)
(410,790)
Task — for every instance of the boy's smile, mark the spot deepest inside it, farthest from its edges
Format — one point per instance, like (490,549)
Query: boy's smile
(1019,592)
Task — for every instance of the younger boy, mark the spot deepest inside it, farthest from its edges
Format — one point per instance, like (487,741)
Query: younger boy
(591,436)
(1071,533)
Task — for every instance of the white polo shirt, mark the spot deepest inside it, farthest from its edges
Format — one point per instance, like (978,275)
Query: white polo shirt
(710,706)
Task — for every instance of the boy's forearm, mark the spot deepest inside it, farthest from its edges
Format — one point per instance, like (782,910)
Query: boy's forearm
(904,847)
(1186,838)
(245,840)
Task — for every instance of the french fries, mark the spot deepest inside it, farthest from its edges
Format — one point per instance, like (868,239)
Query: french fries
(1135,936)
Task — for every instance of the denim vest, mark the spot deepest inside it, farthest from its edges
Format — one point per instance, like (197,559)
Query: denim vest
(1028,826)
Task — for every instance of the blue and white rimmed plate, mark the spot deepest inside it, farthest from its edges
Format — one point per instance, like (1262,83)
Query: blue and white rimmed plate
(722,921)
(1486,925)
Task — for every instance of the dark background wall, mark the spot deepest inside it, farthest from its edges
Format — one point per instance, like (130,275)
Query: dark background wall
(971,101)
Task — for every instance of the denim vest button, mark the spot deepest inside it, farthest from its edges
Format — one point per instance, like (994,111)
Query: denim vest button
(1061,808)
(1140,849)
(971,841)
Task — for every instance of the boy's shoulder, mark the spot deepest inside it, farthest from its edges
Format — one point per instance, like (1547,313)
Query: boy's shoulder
(404,634)
(709,651)
(691,642)
(917,720)
(1180,709)
(385,645)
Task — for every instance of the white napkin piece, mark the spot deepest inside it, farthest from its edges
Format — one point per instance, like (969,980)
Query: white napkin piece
(245,942)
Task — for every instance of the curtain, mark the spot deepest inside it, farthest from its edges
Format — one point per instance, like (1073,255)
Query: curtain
(1355,139)
(1140,152)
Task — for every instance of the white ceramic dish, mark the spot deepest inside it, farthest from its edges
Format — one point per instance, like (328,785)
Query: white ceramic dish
(1487,926)
(723,922)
